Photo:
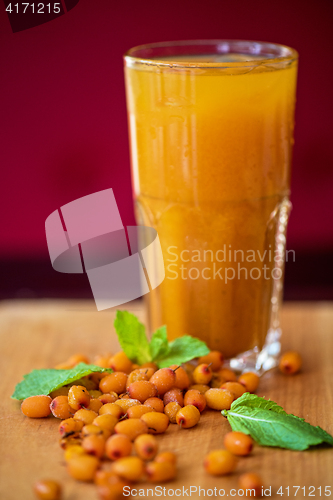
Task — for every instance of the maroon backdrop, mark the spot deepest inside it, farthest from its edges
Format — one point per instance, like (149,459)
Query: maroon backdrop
(63,115)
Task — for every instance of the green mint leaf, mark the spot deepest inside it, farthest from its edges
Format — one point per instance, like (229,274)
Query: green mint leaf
(183,349)
(132,337)
(133,341)
(159,346)
(45,381)
(253,401)
(269,425)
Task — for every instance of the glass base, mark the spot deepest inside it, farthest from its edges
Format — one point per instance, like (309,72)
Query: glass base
(259,361)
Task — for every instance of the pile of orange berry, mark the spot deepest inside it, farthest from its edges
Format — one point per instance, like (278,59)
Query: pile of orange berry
(110,421)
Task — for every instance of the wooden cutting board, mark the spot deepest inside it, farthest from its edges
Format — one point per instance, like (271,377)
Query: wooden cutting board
(40,334)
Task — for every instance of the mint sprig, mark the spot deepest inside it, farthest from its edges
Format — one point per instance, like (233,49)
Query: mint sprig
(132,337)
(134,342)
(181,350)
(269,425)
(46,381)
(159,345)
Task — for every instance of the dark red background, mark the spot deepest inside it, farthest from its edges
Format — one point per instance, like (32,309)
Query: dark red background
(63,115)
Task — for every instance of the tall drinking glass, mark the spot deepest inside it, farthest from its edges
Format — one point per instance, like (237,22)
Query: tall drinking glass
(211,134)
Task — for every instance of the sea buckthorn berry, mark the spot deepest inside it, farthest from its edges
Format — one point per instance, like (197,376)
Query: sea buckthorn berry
(290,363)
(136,376)
(60,408)
(214,358)
(190,366)
(97,377)
(36,406)
(164,380)
(112,409)
(220,462)
(95,404)
(171,410)
(106,432)
(111,491)
(86,416)
(118,446)
(86,382)
(79,424)
(238,443)
(62,391)
(251,481)
(227,374)
(94,445)
(157,422)
(174,395)
(102,476)
(166,456)
(132,427)
(47,490)
(188,417)
(67,442)
(63,366)
(149,372)
(115,382)
(217,381)
(102,360)
(130,468)
(108,398)
(119,362)
(78,397)
(83,467)
(235,387)
(160,472)
(73,451)
(182,378)
(150,364)
(94,394)
(202,374)
(126,403)
(142,390)
(155,403)
(137,411)
(107,477)
(146,446)
(124,395)
(202,388)
(250,381)
(106,421)
(195,398)
(75,359)
(70,426)
(88,430)
(219,399)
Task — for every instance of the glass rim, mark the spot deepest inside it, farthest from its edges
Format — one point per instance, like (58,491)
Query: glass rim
(278,53)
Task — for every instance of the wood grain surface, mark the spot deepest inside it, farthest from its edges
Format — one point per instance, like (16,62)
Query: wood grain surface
(40,334)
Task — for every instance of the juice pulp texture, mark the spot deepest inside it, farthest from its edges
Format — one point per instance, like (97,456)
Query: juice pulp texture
(211,152)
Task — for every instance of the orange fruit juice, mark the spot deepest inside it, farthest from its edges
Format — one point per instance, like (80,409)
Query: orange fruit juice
(211,152)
